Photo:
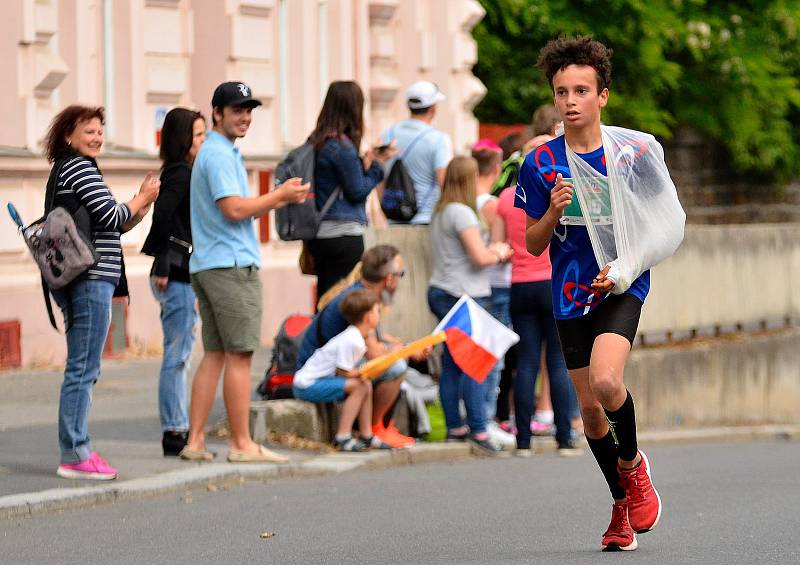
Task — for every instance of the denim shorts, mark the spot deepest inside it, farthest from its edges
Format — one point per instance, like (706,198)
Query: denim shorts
(394,372)
(326,389)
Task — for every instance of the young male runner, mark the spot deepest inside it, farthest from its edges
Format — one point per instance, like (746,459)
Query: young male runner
(596,328)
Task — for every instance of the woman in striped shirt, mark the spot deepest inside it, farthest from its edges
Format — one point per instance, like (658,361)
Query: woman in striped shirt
(72,144)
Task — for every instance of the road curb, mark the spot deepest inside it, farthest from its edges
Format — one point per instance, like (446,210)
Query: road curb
(225,474)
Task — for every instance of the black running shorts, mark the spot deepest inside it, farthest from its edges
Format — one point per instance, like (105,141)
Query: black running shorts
(617,314)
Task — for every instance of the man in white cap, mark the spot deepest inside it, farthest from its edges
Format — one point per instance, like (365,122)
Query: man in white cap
(425,151)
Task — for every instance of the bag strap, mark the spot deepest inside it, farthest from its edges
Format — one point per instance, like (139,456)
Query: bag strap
(48,304)
(329,202)
(319,327)
(50,190)
(419,136)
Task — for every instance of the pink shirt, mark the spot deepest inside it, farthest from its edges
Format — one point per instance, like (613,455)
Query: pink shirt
(524,266)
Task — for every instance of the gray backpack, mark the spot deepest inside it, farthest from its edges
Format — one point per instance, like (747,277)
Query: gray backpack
(60,241)
(59,249)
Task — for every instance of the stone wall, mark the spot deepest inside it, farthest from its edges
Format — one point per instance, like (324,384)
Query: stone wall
(742,380)
(722,278)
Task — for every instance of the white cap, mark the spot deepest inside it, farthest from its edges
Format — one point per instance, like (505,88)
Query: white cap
(423,94)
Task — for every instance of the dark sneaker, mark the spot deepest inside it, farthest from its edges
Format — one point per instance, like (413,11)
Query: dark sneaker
(644,504)
(377,443)
(569,449)
(486,447)
(173,443)
(619,536)
(457,437)
(351,445)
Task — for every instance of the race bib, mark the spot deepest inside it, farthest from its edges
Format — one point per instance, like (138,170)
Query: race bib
(598,200)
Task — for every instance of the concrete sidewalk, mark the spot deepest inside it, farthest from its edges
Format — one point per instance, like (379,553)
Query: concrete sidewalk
(125,429)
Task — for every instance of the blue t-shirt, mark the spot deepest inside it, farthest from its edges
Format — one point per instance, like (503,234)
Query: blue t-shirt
(333,323)
(219,172)
(574,263)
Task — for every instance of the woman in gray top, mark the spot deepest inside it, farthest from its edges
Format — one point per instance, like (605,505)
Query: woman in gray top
(460,258)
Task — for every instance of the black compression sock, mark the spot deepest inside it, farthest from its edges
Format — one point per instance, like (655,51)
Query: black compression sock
(623,423)
(605,452)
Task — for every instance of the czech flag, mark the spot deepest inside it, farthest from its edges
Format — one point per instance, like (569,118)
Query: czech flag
(476,340)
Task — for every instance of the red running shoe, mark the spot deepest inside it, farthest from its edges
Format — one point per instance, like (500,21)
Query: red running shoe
(644,504)
(619,536)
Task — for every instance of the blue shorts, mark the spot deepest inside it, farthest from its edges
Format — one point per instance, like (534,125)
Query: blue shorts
(326,389)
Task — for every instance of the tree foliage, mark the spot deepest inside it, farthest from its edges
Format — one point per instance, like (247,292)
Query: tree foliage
(731,70)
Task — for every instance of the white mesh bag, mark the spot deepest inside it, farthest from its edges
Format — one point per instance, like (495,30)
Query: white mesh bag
(633,215)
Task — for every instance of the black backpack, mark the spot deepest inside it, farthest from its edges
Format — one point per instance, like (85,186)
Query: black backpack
(300,221)
(279,376)
(399,200)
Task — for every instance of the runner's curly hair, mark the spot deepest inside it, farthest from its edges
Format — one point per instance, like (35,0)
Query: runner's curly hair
(560,53)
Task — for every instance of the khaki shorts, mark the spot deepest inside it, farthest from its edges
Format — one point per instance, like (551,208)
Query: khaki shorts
(230,308)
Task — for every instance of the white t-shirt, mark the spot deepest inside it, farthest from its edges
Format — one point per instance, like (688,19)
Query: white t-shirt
(343,351)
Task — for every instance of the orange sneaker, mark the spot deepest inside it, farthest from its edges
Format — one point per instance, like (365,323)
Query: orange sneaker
(392,429)
(392,437)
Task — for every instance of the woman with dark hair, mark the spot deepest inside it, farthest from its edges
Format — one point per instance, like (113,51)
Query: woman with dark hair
(337,137)
(72,145)
(170,242)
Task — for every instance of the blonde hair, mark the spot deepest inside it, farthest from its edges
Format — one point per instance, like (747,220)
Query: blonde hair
(460,183)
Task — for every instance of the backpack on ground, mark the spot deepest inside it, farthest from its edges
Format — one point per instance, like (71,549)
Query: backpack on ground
(279,376)
(399,199)
(301,221)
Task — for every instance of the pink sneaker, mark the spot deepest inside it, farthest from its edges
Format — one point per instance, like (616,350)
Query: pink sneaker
(541,429)
(95,467)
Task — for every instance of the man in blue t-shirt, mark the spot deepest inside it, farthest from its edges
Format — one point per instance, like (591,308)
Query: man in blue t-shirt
(596,328)
(382,267)
(224,271)
(425,150)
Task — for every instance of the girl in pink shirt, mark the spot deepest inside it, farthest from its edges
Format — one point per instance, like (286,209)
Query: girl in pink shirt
(532,318)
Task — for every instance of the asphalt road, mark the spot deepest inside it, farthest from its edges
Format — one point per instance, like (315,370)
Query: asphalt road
(734,503)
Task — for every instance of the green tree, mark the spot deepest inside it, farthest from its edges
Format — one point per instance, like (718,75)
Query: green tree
(728,69)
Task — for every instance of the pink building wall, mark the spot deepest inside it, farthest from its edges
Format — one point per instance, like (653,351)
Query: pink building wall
(141,57)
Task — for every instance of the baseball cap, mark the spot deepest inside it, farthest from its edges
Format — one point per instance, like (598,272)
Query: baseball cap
(234,94)
(486,144)
(423,94)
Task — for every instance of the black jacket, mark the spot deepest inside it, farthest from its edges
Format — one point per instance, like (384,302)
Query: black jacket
(170,218)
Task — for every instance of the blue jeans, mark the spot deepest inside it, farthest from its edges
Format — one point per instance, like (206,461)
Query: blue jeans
(532,318)
(90,302)
(178,320)
(499,308)
(454,385)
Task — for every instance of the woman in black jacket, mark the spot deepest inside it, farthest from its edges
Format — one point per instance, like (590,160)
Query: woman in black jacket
(170,243)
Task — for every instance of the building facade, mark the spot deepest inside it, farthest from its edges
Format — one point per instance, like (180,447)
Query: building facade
(139,58)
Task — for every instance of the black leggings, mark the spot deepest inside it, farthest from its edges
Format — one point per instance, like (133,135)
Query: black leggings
(334,259)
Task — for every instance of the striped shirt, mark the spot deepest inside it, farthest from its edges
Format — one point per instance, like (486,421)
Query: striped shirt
(81,177)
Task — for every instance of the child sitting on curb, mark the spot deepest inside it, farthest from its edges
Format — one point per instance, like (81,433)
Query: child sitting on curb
(330,374)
